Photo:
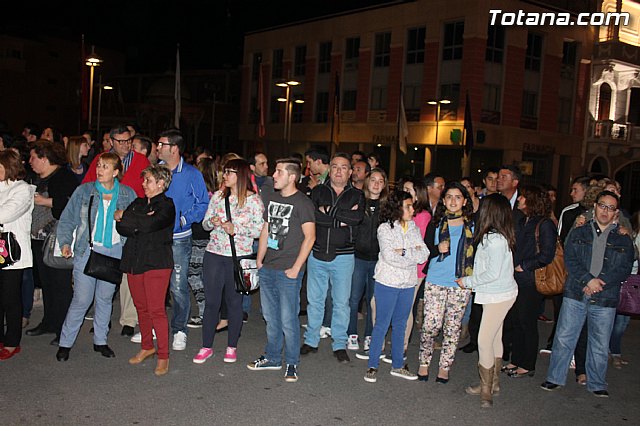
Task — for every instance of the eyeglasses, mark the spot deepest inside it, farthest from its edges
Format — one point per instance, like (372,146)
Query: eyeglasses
(161,144)
(122,141)
(227,171)
(604,206)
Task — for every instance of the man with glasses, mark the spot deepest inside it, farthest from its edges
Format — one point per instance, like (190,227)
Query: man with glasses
(190,198)
(591,293)
(132,162)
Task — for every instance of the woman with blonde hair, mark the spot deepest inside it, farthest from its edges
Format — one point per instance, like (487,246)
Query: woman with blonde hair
(77,149)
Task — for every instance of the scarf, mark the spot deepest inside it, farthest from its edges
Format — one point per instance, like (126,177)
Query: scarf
(464,256)
(104,224)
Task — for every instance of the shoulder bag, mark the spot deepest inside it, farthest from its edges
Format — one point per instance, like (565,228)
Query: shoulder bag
(51,251)
(10,251)
(245,268)
(629,303)
(550,279)
(101,266)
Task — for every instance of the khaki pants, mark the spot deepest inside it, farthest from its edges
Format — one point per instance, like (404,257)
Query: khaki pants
(128,313)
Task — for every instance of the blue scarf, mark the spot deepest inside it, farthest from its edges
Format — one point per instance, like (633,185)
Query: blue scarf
(104,225)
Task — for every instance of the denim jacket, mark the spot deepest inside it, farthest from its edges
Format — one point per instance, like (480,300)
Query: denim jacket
(618,259)
(74,216)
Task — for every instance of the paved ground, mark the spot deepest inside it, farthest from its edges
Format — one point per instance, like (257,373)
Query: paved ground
(90,389)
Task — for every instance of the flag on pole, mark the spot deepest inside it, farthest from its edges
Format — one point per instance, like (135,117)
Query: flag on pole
(335,123)
(261,128)
(403,128)
(468,127)
(177,97)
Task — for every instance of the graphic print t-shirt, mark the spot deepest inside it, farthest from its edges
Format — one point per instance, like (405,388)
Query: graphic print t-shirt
(284,217)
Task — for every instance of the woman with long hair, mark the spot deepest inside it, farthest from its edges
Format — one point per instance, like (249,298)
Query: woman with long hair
(450,240)
(16,199)
(77,149)
(535,248)
(495,288)
(245,224)
(401,249)
(100,199)
(376,190)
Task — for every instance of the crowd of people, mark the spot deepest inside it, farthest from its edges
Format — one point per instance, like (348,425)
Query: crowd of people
(455,259)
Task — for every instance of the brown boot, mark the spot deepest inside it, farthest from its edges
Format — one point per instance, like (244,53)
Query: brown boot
(141,356)
(486,381)
(495,389)
(162,367)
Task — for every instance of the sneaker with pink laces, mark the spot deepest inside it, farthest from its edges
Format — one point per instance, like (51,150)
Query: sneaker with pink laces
(230,355)
(203,355)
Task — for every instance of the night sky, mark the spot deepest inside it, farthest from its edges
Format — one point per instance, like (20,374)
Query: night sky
(210,32)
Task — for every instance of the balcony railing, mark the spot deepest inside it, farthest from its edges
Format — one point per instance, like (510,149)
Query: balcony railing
(608,131)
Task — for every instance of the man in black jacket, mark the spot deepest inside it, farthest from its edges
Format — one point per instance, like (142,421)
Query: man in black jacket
(339,208)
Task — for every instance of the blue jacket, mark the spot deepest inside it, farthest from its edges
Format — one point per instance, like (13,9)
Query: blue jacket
(618,259)
(74,216)
(190,197)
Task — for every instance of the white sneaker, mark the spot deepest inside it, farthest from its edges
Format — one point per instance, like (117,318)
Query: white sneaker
(367,342)
(325,332)
(137,338)
(573,363)
(179,341)
(352,342)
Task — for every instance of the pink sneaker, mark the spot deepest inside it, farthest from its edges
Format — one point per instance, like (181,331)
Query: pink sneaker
(230,355)
(203,355)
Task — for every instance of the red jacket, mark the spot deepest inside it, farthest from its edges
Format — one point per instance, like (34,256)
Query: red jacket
(131,177)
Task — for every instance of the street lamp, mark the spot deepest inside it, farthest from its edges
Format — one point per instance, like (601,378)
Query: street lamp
(92,61)
(437,103)
(288,107)
(100,87)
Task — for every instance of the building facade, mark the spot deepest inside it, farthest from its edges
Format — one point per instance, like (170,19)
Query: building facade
(613,136)
(527,86)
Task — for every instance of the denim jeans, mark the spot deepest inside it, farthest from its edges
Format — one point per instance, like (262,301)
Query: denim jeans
(600,322)
(619,326)
(362,284)
(393,306)
(319,272)
(85,290)
(280,301)
(179,285)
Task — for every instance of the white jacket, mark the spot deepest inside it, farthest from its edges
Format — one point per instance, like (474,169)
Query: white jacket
(16,205)
(393,269)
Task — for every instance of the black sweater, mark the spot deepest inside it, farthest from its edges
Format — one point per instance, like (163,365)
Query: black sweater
(149,236)
(332,238)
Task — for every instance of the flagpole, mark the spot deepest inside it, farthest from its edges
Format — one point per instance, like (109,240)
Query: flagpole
(177,92)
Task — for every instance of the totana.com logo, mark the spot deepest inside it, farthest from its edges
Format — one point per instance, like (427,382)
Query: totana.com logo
(522,18)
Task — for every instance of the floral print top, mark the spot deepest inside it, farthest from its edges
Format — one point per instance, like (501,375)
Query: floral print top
(247,221)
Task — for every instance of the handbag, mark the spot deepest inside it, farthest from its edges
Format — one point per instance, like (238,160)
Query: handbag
(245,268)
(10,251)
(550,279)
(101,266)
(629,303)
(49,249)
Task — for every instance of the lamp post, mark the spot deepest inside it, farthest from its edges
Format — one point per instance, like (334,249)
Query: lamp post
(100,87)
(288,107)
(92,61)
(437,103)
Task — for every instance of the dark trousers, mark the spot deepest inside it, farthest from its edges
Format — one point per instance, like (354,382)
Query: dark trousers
(57,291)
(27,292)
(524,317)
(217,274)
(11,306)
(474,321)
